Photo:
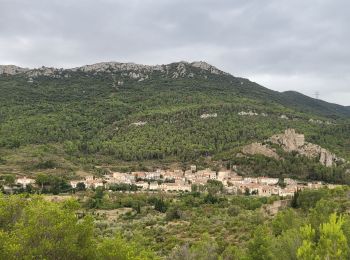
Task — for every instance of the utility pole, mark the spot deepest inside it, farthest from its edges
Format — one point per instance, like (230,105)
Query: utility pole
(317,95)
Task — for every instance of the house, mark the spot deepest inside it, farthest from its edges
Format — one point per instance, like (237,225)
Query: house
(153,186)
(268,181)
(252,188)
(265,191)
(118,177)
(152,175)
(231,189)
(235,178)
(97,184)
(179,174)
(168,175)
(287,192)
(24,181)
(143,185)
(314,185)
(139,175)
(207,173)
(250,180)
(222,175)
(289,181)
(193,168)
(199,181)
(177,186)
(75,183)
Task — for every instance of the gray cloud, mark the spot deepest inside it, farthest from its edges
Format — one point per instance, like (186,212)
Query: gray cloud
(299,45)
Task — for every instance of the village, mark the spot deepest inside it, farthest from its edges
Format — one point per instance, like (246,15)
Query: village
(192,180)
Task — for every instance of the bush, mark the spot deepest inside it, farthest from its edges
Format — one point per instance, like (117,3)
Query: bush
(172,214)
(233,210)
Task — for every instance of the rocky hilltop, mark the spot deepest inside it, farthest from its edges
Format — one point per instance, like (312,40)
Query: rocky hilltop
(11,70)
(290,141)
(130,70)
(191,74)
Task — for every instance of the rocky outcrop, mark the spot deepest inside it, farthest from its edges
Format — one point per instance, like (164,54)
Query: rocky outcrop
(258,148)
(205,116)
(140,123)
(133,71)
(205,66)
(327,158)
(290,140)
(11,69)
(249,113)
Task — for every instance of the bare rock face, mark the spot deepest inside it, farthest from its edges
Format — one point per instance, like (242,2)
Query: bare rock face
(116,66)
(11,69)
(205,116)
(258,148)
(205,66)
(326,158)
(290,140)
(133,71)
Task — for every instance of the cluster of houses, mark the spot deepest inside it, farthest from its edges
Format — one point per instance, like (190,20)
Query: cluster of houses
(184,181)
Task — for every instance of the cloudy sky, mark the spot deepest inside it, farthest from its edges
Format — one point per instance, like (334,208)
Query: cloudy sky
(281,44)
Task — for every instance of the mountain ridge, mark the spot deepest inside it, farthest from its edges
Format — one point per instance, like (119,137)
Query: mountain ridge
(127,113)
(179,69)
(112,65)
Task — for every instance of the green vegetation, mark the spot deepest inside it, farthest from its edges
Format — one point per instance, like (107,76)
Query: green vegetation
(62,125)
(233,227)
(57,128)
(175,226)
(36,229)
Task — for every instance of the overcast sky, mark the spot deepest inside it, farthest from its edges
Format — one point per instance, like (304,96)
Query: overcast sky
(282,44)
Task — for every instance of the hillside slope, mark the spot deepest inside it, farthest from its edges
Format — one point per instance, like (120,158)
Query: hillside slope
(129,114)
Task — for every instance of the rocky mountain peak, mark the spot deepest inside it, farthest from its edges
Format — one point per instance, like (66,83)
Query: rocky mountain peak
(174,70)
(206,66)
(11,69)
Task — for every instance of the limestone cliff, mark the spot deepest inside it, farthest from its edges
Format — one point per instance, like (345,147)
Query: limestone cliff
(129,70)
(258,148)
(11,69)
(291,141)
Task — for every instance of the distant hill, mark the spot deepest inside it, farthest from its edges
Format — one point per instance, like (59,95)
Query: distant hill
(304,103)
(130,114)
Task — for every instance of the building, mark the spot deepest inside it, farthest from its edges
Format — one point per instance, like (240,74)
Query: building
(119,177)
(223,175)
(139,175)
(193,168)
(268,181)
(143,185)
(289,181)
(207,173)
(250,180)
(153,186)
(24,181)
(287,192)
(168,187)
(75,183)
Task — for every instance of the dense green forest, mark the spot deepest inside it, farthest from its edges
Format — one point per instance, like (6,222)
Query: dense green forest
(78,119)
(105,225)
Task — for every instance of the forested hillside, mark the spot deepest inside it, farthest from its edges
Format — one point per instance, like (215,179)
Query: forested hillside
(137,116)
